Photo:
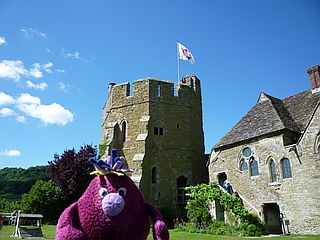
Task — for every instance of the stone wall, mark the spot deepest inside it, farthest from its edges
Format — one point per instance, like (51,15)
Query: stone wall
(164,132)
(299,196)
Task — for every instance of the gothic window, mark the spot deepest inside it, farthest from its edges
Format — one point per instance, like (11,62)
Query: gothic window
(181,195)
(154,175)
(124,130)
(317,145)
(286,168)
(243,165)
(254,169)
(246,155)
(273,173)
(247,152)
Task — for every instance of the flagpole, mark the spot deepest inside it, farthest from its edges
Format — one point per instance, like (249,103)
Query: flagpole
(178,62)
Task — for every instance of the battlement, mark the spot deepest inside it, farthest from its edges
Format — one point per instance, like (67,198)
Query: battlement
(151,89)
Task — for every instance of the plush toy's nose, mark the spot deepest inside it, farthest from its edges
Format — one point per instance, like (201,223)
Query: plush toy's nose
(112,204)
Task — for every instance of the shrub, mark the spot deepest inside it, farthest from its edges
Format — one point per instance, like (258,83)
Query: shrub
(44,198)
(198,212)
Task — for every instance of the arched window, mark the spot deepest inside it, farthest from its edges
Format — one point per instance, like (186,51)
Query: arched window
(124,130)
(273,173)
(254,169)
(317,144)
(246,155)
(243,165)
(154,175)
(286,168)
(181,184)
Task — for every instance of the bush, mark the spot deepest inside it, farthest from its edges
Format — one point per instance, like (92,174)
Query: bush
(44,198)
(9,206)
(198,212)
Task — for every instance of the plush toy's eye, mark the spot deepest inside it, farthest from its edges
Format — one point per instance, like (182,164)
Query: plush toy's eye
(103,192)
(122,191)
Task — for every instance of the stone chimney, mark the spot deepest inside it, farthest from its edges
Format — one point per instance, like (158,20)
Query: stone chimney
(314,74)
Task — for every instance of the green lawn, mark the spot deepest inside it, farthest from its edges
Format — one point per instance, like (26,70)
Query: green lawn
(49,233)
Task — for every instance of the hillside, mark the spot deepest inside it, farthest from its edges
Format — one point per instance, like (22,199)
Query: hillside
(16,181)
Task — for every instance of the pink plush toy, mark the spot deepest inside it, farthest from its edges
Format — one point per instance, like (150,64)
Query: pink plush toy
(112,208)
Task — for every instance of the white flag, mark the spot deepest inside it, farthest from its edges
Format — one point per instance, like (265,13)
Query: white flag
(185,54)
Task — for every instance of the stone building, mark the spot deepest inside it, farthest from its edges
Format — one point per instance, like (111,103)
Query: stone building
(271,157)
(161,136)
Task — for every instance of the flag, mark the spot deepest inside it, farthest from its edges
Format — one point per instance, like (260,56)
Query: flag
(185,54)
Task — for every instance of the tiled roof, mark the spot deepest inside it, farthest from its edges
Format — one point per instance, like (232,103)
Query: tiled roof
(271,114)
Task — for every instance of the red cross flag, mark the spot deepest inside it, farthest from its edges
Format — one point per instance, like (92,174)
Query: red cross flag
(185,54)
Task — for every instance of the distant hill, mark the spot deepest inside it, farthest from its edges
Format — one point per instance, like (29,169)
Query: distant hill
(16,181)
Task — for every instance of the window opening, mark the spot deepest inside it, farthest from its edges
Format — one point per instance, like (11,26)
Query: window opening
(181,194)
(247,152)
(286,168)
(154,175)
(243,165)
(159,90)
(124,131)
(273,171)
(254,170)
(160,131)
(246,155)
(156,131)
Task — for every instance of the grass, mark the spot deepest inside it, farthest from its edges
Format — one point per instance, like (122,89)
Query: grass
(49,233)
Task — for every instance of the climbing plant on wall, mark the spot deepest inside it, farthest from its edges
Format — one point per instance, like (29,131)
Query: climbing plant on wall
(198,210)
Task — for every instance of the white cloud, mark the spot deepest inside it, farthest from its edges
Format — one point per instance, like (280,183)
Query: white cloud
(12,69)
(10,153)
(6,99)
(64,87)
(21,119)
(48,114)
(40,86)
(60,71)
(48,50)
(47,67)
(6,112)
(53,113)
(74,55)
(3,40)
(31,33)
(26,98)
(35,71)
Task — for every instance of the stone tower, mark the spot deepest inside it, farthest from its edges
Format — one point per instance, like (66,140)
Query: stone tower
(161,136)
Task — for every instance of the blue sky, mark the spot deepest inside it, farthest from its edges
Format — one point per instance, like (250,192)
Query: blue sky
(57,58)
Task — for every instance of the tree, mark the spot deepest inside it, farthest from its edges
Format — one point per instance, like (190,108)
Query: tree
(71,171)
(18,180)
(44,198)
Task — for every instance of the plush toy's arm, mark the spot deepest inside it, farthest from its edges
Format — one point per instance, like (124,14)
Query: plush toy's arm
(69,227)
(160,230)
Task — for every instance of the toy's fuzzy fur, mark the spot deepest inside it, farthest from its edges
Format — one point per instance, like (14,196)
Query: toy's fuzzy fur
(85,218)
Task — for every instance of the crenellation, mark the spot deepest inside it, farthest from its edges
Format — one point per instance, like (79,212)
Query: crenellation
(160,127)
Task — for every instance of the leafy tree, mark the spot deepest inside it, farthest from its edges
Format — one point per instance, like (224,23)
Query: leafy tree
(71,171)
(44,198)
(9,206)
(19,180)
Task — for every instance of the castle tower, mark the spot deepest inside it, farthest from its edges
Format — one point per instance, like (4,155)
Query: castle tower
(161,136)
